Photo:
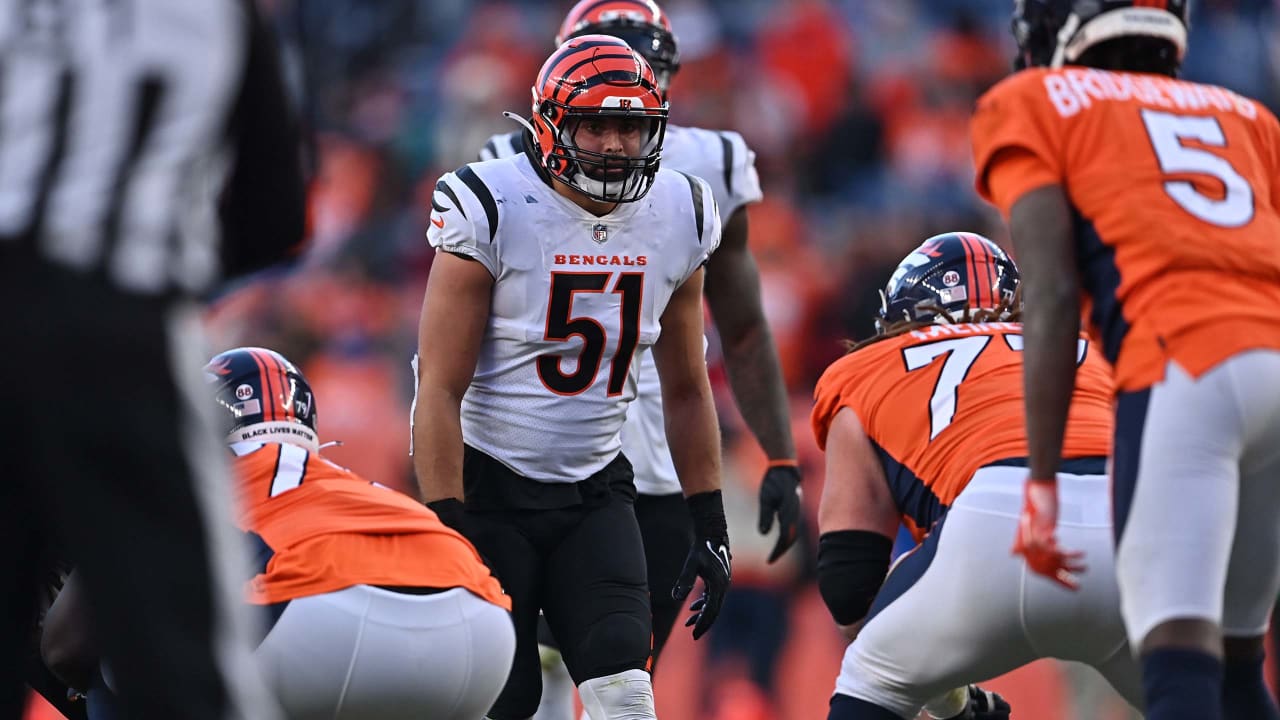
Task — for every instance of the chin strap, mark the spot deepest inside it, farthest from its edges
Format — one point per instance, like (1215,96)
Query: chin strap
(1068,30)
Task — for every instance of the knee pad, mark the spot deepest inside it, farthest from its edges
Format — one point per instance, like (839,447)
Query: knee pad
(615,644)
(627,695)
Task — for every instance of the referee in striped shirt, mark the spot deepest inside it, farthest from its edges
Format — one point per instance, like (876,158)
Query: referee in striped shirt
(146,153)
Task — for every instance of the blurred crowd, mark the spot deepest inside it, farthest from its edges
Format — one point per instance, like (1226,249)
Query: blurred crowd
(858,113)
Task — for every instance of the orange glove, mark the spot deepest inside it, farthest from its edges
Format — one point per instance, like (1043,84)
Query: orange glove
(1036,539)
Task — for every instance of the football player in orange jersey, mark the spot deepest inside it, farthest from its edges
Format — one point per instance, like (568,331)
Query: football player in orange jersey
(1156,200)
(922,425)
(379,610)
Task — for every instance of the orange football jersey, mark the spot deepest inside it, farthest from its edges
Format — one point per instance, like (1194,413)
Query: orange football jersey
(330,529)
(1176,186)
(941,402)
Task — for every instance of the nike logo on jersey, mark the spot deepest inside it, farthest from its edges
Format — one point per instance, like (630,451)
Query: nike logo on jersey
(438,222)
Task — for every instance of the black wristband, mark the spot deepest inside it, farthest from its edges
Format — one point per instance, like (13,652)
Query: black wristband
(852,565)
(707,509)
(450,511)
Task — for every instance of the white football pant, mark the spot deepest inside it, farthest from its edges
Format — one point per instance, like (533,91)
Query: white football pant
(971,611)
(364,653)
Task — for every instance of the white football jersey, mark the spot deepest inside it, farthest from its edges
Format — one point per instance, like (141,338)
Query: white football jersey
(576,299)
(723,160)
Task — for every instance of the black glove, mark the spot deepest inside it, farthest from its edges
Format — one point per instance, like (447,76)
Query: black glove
(984,705)
(451,513)
(780,495)
(708,559)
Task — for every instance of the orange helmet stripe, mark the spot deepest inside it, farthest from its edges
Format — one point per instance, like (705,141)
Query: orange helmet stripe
(286,407)
(980,273)
(264,379)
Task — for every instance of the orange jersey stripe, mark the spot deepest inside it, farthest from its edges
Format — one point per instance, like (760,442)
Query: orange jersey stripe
(941,402)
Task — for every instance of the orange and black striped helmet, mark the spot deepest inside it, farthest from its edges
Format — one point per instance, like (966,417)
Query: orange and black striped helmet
(597,77)
(640,23)
(264,396)
(955,271)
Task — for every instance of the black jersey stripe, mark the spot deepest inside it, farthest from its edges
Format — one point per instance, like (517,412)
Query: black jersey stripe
(695,187)
(53,164)
(442,186)
(150,93)
(473,181)
(726,145)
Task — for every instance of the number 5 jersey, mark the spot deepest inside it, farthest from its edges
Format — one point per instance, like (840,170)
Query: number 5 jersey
(1175,187)
(576,299)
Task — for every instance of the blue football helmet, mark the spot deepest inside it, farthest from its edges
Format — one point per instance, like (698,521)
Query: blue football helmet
(1051,33)
(952,272)
(265,397)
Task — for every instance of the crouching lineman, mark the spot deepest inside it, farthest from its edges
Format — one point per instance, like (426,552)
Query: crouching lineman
(923,424)
(380,611)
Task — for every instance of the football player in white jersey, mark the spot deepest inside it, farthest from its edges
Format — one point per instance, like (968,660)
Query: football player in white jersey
(732,289)
(555,269)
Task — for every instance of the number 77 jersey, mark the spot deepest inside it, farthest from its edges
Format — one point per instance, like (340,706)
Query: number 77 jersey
(1175,187)
(943,401)
(576,298)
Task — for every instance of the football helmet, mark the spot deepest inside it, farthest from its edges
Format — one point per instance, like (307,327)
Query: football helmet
(952,272)
(265,397)
(1050,33)
(639,23)
(589,77)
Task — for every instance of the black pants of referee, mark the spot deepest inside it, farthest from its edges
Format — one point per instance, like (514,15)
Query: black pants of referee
(105,453)
(571,551)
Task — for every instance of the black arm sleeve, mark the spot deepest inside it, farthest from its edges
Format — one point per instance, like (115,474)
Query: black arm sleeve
(263,205)
(852,565)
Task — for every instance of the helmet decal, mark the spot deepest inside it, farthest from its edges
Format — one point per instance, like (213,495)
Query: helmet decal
(947,275)
(264,397)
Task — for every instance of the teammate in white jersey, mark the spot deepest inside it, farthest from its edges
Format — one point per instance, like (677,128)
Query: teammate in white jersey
(554,270)
(724,161)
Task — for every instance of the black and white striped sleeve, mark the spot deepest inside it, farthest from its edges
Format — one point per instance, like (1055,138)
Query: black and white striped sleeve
(738,166)
(705,219)
(502,146)
(464,218)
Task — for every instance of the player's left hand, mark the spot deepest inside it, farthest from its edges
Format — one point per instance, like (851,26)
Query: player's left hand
(1036,539)
(708,559)
(780,495)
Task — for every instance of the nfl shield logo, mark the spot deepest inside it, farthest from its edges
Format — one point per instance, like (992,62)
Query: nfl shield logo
(599,233)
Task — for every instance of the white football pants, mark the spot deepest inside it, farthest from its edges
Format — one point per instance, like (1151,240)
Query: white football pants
(1197,467)
(966,610)
(364,653)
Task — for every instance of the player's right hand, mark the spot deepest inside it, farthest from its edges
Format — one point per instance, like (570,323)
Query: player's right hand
(1036,538)
(780,496)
